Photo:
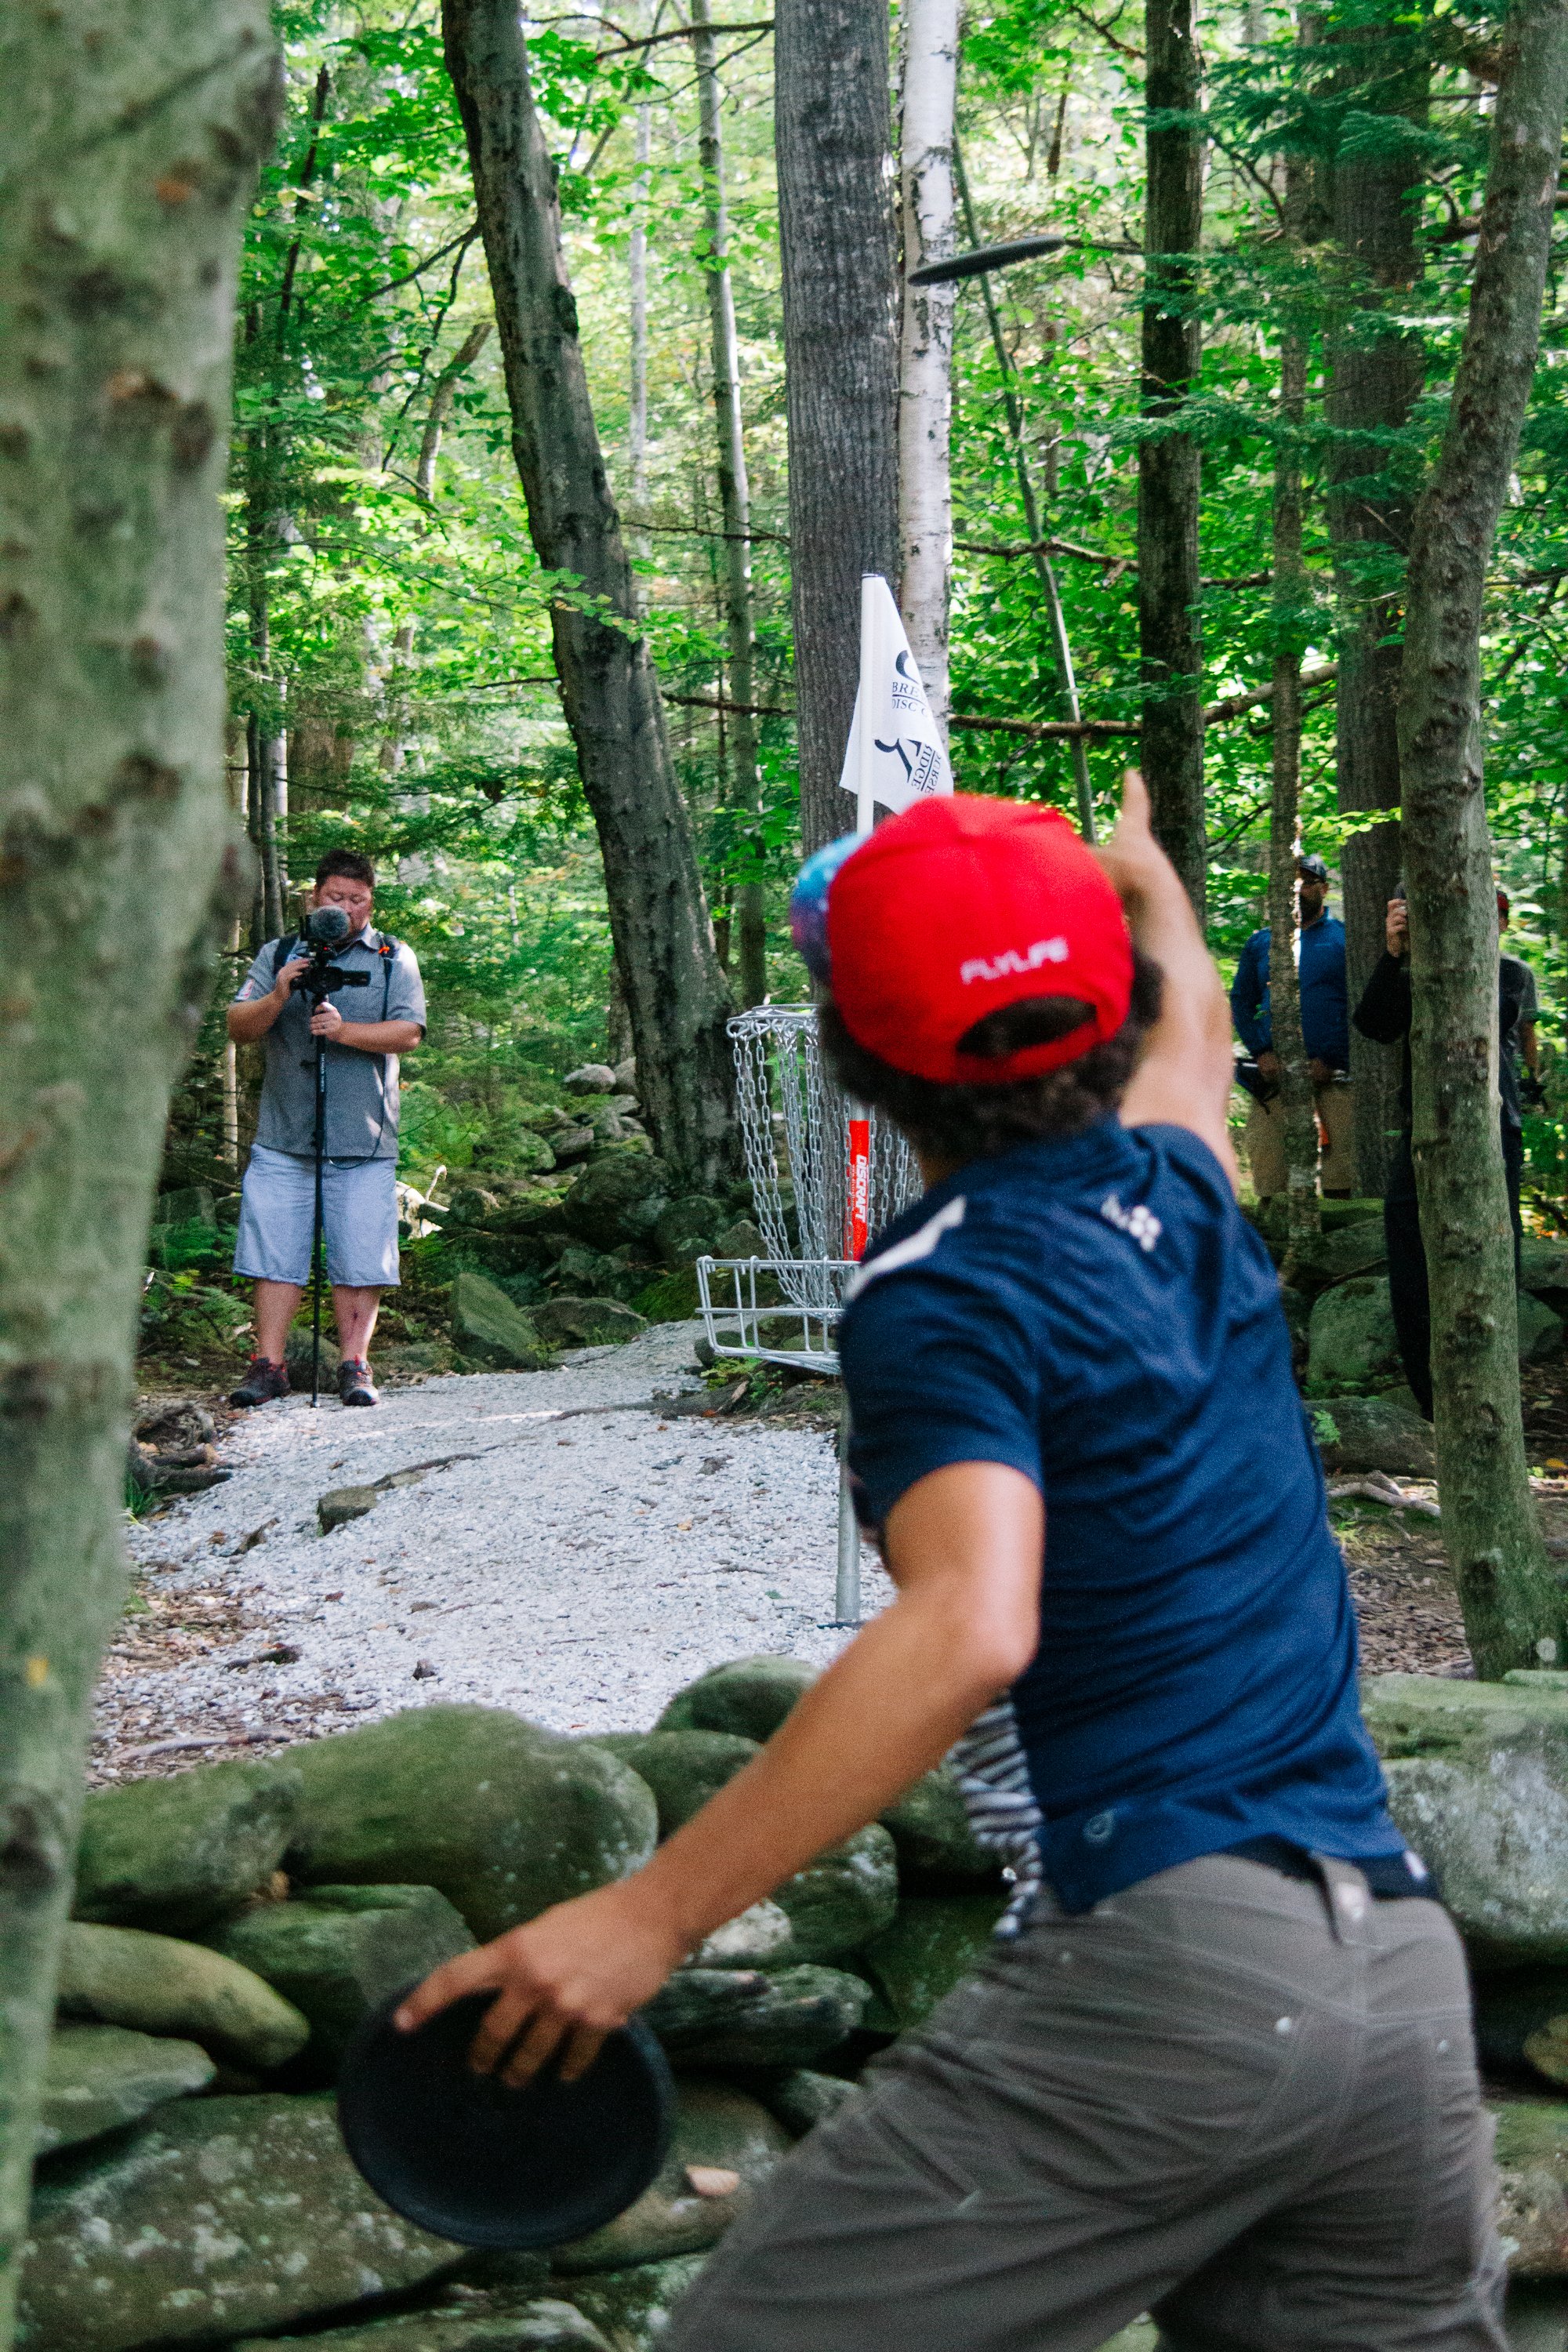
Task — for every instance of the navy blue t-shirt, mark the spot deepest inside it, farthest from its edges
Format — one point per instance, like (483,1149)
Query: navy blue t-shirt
(1095,1312)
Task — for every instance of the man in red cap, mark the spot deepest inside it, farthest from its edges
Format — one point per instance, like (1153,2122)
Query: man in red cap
(1217,2064)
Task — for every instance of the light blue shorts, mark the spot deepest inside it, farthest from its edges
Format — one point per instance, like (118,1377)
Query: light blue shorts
(278,1215)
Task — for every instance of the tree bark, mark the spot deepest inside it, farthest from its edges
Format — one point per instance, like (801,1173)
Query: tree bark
(1170,625)
(841,355)
(1285,819)
(131,146)
(1515,1607)
(658,917)
(930,211)
(636,289)
(735,508)
(1375,370)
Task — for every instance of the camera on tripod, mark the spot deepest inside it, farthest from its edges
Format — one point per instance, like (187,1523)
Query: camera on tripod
(322,934)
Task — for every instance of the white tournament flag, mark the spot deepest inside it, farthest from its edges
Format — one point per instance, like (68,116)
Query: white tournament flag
(899,756)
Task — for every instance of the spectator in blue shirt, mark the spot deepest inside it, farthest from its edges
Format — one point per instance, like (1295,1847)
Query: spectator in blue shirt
(1325,1030)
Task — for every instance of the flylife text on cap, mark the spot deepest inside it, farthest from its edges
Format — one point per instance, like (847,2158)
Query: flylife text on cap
(951,910)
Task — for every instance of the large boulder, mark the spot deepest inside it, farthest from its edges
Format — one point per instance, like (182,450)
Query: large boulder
(718,2132)
(172,1855)
(1351,1339)
(464,2319)
(100,2077)
(846,1897)
(1540,1330)
(619,1197)
(933,1943)
(503,1818)
(587,1322)
(487,1328)
(745,2016)
(750,1696)
(1544,1270)
(937,1849)
(683,1769)
(1372,1433)
(220,2217)
(1326,1258)
(632,2308)
(1478,1776)
(156,1984)
(336,1952)
(801,2099)
(593,1078)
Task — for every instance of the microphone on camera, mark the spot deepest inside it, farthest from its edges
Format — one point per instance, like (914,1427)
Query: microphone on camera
(326,926)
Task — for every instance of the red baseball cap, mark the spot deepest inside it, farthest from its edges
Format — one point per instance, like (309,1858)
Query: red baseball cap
(962,905)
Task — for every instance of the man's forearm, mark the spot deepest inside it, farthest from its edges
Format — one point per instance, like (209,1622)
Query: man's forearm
(380,1036)
(888,1710)
(248,1022)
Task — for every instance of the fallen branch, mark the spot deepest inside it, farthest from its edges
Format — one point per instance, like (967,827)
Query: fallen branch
(1378,1487)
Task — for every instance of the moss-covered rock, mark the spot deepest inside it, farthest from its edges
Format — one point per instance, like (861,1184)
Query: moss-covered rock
(171,1854)
(488,1329)
(1372,1433)
(718,2132)
(1428,1715)
(587,1322)
(619,1197)
(683,1769)
(504,1819)
(937,1849)
(632,2309)
(801,2099)
(156,1984)
(1351,1338)
(1497,1836)
(748,2017)
(100,2077)
(689,1228)
(750,1696)
(335,1951)
(1540,1329)
(220,2217)
(462,2320)
(843,1899)
(933,1943)
(1329,1257)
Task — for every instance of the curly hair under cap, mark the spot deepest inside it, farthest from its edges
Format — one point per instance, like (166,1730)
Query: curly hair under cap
(959,1123)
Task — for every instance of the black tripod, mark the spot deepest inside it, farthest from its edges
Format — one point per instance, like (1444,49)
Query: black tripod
(324,932)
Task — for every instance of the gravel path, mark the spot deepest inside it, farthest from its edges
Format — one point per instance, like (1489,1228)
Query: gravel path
(586,1562)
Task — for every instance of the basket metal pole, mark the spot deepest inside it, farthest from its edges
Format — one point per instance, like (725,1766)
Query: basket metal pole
(847,1597)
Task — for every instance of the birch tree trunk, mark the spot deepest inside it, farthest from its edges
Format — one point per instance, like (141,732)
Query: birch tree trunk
(1515,1607)
(1285,821)
(734,504)
(659,917)
(1375,371)
(841,354)
(929,206)
(1170,628)
(128,155)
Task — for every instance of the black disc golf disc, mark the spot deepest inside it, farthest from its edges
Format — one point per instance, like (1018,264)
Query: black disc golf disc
(468,2158)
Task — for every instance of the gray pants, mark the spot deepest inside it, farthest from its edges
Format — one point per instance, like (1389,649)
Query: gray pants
(1245,2102)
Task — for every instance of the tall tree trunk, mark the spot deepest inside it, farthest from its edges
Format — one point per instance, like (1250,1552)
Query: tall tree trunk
(1375,370)
(130,144)
(735,508)
(637,286)
(841,354)
(929,211)
(658,917)
(1514,1608)
(443,393)
(1170,625)
(1285,819)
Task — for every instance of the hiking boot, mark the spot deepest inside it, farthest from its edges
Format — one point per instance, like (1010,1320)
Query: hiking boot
(355,1383)
(263,1381)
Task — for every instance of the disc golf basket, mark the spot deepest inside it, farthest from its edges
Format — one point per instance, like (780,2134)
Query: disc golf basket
(799,1139)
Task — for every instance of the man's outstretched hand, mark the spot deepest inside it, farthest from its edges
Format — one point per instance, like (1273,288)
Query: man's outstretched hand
(562,1983)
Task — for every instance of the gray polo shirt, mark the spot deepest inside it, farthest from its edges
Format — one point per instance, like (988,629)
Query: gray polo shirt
(361,1088)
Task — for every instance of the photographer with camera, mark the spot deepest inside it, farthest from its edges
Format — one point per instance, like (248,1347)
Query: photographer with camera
(288,1001)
